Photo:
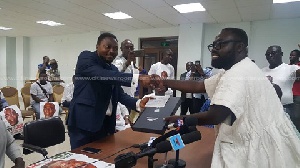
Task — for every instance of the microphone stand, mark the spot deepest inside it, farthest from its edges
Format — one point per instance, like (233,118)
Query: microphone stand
(151,161)
(166,164)
(177,163)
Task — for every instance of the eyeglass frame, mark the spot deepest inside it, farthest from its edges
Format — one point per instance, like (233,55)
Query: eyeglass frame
(213,45)
(272,53)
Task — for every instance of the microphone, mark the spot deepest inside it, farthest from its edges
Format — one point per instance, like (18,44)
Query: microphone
(129,159)
(35,149)
(189,121)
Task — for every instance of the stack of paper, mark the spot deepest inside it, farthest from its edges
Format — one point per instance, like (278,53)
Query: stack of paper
(157,101)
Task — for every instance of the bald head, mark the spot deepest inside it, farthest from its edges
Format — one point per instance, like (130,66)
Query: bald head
(126,47)
(274,56)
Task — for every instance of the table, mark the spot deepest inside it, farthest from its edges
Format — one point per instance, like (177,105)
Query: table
(196,155)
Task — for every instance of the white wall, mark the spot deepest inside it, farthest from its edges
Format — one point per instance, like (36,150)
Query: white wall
(3,62)
(65,49)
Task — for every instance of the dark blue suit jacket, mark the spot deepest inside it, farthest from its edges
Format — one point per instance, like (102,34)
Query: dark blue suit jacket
(96,83)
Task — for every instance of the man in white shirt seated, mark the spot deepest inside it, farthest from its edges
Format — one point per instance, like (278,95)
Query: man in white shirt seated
(164,68)
(283,75)
(41,91)
(68,94)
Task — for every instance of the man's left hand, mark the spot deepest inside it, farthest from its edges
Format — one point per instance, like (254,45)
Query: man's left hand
(144,101)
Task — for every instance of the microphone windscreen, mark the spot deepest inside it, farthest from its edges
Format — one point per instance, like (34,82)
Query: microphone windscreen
(163,147)
(191,137)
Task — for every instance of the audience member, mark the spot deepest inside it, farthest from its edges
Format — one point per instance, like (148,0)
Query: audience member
(41,91)
(283,75)
(254,130)
(124,60)
(68,93)
(9,147)
(164,68)
(44,66)
(122,117)
(199,74)
(294,60)
(97,90)
(187,98)
(53,73)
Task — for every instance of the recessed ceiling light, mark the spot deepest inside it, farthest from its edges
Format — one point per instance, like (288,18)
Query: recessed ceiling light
(117,15)
(187,8)
(5,28)
(50,23)
(285,1)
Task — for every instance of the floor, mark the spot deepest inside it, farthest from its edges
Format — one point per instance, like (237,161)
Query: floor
(34,157)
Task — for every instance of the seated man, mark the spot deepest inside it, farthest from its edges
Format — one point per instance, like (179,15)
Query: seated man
(68,94)
(9,147)
(41,91)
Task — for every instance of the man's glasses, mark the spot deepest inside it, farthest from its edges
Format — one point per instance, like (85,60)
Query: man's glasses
(129,47)
(218,44)
(271,53)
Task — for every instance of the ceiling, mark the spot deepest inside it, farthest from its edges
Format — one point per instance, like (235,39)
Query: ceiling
(80,16)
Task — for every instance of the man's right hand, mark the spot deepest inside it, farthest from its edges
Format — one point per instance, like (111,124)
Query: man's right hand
(173,119)
(152,81)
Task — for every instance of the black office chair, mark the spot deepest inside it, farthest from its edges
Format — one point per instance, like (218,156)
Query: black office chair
(43,133)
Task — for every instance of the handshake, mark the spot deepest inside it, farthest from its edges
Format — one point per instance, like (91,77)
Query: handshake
(153,81)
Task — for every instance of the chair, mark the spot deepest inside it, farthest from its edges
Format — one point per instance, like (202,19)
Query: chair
(27,84)
(43,133)
(25,93)
(12,98)
(58,91)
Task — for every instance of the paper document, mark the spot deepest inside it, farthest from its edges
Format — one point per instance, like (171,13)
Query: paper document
(158,101)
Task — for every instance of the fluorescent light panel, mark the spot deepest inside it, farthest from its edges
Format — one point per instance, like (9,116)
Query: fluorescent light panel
(285,1)
(50,23)
(5,28)
(191,7)
(117,15)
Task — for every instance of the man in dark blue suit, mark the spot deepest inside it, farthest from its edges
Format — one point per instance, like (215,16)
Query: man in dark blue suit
(97,90)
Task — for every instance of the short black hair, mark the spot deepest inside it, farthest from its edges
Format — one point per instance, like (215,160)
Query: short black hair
(104,35)
(44,57)
(297,53)
(240,33)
